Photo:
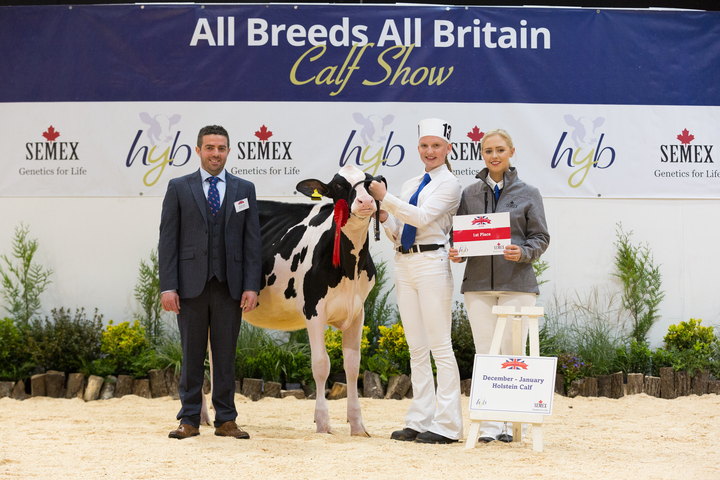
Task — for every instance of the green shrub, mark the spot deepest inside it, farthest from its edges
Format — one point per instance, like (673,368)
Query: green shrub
(169,352)
(660,358)
(259,355)
(297,363)
(539,267)
(692,347)
(251,341)
(714,364)
(378,312)
(641,282)
(381,365)
(685,335)
(462,341)
(573,367)
(550,336)
(634,358)
(101,367)
(147,293)
(65,342)
(15,363)
(147,360)
(394,347)
(591,326)
(265,364)
(280,363)
(23,283)
(333,346)
(693,360)
(124,346)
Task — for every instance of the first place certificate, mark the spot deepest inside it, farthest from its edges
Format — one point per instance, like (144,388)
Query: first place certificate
(483,234)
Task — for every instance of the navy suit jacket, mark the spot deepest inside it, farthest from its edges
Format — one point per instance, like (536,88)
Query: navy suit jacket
(182,251)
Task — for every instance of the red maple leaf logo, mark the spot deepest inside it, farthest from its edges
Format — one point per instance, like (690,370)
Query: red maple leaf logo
(51,134)
(540,402)
(475,135)
(263,134)
(685,138)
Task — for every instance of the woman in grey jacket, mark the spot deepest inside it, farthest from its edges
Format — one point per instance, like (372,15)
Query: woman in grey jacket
(510,279)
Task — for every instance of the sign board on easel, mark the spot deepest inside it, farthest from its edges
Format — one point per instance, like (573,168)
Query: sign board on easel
(496,377)
(513,384)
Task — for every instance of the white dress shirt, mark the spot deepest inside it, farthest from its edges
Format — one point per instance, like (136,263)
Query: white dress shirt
(437,203)
(492,183)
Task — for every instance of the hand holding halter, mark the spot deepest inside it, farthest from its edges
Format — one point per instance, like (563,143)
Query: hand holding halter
(367,182)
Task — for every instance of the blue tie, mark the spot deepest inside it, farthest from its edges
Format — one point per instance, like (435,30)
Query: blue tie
(497,193)
(408,234)
(214,196)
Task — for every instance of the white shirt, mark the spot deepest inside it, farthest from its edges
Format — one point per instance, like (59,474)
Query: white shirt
(437,203)
(220,184)
(492,183)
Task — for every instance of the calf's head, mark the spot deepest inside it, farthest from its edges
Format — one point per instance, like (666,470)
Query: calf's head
(349,184)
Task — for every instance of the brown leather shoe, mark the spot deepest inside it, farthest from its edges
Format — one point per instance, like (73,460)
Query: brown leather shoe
(184,431)
(230,429)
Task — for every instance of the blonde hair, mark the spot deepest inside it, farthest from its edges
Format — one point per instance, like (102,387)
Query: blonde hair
(500,132)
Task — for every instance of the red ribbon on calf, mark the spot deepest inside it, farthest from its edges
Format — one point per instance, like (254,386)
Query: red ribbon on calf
(340,215)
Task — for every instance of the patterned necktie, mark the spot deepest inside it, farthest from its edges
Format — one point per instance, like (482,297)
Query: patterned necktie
(497,193)
(214,196)
(408,234)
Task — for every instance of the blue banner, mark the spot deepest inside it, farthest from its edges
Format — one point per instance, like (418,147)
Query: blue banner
(333,53)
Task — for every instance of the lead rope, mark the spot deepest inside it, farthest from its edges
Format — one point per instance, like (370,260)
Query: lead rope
(379,178)
(376,228)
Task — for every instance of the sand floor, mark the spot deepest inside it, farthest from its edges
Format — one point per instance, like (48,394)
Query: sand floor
(635,437)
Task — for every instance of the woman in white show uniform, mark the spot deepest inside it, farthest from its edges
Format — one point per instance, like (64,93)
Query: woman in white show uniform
(418,222)
(508,279)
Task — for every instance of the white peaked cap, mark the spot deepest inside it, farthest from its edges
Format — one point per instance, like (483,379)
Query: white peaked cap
(434,127)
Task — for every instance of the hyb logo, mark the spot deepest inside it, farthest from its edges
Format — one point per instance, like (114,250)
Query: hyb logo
(483,220)
(374,146)
(51,149)
(161,131)
(588,151)
(686,153)
(515,364)
(480,402)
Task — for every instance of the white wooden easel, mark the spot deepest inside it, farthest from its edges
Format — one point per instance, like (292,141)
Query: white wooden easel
(518,419)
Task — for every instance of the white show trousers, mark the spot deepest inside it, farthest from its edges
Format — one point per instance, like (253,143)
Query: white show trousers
(424,287)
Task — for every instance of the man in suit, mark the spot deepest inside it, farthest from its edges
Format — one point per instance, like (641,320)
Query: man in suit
(210,267)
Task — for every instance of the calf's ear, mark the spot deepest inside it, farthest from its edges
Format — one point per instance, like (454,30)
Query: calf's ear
(308,187)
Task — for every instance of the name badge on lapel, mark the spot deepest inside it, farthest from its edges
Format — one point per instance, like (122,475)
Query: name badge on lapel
(241,205)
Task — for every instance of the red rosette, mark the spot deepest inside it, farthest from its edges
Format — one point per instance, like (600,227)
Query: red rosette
(340,215)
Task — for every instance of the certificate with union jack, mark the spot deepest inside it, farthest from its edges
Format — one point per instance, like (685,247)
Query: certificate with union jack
(482,234)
